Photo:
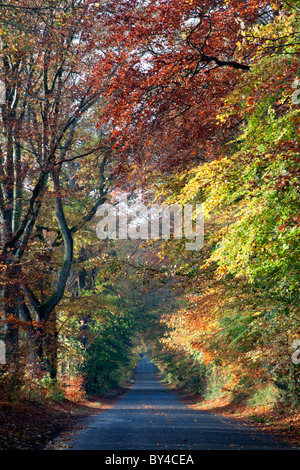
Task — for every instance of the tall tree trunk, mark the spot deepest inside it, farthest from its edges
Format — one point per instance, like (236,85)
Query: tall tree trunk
(46,340)
(11,309)
(47,307)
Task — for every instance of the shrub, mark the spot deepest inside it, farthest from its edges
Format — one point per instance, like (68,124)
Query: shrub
(73,387)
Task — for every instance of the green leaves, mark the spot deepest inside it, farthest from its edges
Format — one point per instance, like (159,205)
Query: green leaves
(109,358)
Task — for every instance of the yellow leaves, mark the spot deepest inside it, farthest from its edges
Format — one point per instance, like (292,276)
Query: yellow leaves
(280,33)
(222,118)
(188,3)
(275,6)
(221,272)
(239,46)
(256,314)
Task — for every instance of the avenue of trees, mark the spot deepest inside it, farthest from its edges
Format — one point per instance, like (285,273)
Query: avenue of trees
(177,102)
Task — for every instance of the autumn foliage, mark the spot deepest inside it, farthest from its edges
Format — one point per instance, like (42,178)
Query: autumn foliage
(173,64)
(175,101)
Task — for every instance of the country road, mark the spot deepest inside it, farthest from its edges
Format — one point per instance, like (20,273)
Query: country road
(150,417)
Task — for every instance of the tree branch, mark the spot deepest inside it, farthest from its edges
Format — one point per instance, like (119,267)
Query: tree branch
(47,307)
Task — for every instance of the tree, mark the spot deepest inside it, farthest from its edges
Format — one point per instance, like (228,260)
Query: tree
(174,63)
(251,200)
(201,109)
(48,49)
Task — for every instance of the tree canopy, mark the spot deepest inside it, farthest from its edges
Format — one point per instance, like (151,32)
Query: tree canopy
(180,102)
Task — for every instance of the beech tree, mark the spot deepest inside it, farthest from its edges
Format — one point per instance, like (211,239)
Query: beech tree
(174,63)
(48,49)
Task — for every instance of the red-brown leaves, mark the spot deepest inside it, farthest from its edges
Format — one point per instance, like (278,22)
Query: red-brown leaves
(173,62)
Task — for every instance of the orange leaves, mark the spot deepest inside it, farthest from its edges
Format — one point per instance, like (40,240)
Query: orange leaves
(169,78)
(194,328)
(73,387)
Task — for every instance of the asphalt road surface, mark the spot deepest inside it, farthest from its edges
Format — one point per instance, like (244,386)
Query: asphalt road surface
(150,417)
